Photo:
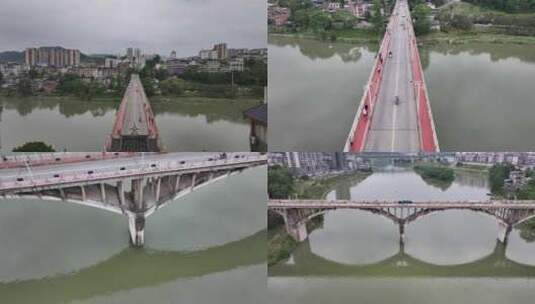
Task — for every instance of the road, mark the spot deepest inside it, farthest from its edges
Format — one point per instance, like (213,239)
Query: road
(394,128)
(135,120)
(103,166)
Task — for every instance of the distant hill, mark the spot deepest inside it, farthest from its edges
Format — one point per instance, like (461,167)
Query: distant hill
(15,56)
(12,56)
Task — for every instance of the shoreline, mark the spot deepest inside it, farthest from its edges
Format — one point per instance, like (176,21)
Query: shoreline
(429,39)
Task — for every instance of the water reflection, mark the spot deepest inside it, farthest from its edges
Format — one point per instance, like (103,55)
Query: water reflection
(184,124)
(345,231)
(133,269)
(314,49)
(494,262)
(397,183)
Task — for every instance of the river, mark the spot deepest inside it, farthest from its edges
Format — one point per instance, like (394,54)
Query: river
(77,125)
(481,95)
(447,257)
(198,250)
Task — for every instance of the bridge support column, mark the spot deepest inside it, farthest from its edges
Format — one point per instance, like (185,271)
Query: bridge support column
(503,232)
(83,192)
(193,180)
(298,231)
(120,192)
(103,192)
(136,225)
(177,183)
(401,233)
(158,184)
(137,190)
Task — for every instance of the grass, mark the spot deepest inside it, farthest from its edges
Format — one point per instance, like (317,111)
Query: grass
(464,37)
(280,245)
(342,35)
(319,188)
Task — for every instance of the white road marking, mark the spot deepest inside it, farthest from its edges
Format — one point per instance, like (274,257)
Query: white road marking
(396,89)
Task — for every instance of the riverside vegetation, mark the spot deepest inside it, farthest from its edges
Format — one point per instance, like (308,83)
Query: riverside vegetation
(507,21)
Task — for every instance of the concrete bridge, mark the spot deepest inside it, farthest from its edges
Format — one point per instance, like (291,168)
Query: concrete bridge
(134,129)
(496,264)
(134,186)
(381,124)
(296,213)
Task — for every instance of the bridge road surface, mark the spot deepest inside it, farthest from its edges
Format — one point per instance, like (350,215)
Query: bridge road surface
(394,128)
(135,118)
(102,166)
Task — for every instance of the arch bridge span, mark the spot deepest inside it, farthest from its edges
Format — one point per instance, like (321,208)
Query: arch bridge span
(134,186)
(296,213)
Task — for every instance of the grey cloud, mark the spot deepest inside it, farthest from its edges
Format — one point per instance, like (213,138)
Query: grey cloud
(109,26)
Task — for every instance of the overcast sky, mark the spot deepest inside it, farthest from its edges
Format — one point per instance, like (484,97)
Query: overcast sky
(110,26)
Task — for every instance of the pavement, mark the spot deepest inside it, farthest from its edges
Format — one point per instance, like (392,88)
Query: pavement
(135,120)
(394,128)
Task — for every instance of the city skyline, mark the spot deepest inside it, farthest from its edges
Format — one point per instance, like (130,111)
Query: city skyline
(183,26)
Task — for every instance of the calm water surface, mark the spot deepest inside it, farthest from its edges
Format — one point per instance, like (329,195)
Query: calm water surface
(208,247)
(76,125)
(481,94)
(447,257)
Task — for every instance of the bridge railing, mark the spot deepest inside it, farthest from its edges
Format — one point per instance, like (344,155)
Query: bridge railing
(378,204)
(426,125)
(40,159)
(144,169)
(361,124)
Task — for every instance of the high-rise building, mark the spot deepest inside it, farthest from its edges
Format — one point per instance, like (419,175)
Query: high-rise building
(173,54)
(221,50)
(52,56)
(130,54)
(137,55)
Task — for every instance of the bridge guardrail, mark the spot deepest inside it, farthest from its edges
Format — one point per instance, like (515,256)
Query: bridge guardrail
(426,125)
(170,166)
(38,159)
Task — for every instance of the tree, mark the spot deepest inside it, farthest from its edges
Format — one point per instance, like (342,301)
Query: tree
(320,21)
(461,22)
(281,183)
(422,25)
(377,19)
(24,87)
(34,146)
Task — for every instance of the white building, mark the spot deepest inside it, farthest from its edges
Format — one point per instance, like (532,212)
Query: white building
(237,65)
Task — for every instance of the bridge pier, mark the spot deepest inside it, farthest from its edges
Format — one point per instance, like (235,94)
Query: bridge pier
(503,232)
(401,227)
(298,231)
(294,227)
(136,226)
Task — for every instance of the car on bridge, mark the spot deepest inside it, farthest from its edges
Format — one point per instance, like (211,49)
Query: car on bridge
(404,202)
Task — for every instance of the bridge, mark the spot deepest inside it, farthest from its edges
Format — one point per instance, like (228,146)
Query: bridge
(296,213)
(402,265)
(381,123)
(133,186)
(134,129)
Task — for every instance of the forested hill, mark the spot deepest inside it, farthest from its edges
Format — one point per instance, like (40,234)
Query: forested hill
(12,56)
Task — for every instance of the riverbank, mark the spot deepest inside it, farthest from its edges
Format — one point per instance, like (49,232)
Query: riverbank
(345,36)
(244,100)
(465,37)
(280,245)
(319,188)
